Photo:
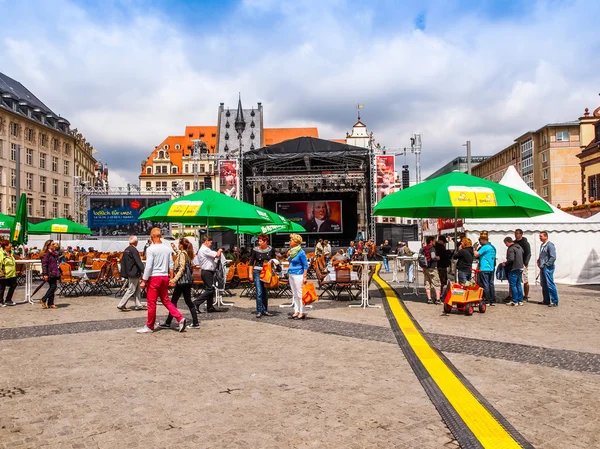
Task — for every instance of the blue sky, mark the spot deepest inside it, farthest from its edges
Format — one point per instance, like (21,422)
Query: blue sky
(128,73)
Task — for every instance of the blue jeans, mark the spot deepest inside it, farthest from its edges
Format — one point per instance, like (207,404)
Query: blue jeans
(516,288)
(410,271)
(549,292)
(464,276)
(386,264)
(262,295)
(485,279)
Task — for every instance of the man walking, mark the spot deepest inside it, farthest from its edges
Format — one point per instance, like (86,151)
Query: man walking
(131,269)
(514,270)
(207,259)
(444,259)
(487,264)
(158,272)
(386,249)
(428,262)
(546,263)
(326,250)
(523,243)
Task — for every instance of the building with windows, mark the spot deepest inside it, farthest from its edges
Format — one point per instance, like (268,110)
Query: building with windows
(195,156)
(589,157)
(546,159)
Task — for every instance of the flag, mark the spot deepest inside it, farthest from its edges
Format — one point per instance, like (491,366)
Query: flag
(360,106)
(18,232)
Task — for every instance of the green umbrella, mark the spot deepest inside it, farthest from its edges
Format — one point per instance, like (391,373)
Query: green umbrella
(59,226)
(6,221)
(266,228)
(458,195)
(209,208)
(19,228)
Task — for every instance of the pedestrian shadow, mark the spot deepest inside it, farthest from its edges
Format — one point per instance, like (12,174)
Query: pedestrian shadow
(63,305)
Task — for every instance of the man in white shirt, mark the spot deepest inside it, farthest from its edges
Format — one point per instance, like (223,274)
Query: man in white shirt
(158,272)
(207,260)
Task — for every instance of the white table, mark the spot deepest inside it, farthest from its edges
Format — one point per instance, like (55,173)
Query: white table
(394,258)
(364,284)
(407,261)
(331,277)
(85,274)
(28,277)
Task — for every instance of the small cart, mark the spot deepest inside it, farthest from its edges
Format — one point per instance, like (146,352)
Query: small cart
(464,298)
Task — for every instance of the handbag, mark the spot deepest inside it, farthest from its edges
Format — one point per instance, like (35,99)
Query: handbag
(266,274)
(274,282)
(309,294)
(187,277)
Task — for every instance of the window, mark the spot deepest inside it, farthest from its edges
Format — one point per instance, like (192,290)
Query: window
(43,160)
(44,140)
(13,151)
(592,187)
(66,211)
(165,169)
(30,207)
(29,156)
(178,147)
(55,187)
(173,185)
(544,157)
(14,129)
(545,192)
(54,209)
(187,185)
(210,168)
(42,208)
(67,148)
(66,190)
(544,139)
(186,168)
(148,185)
(161,154)
(166,147)
(202,168)
(66,168)
(148,170)
(43,184)
(1,148)
(545,174)
(55,144)
(29,135)
(13,177)
(194,168)
(13,204)
(174,169)
(562,136)
(54,164)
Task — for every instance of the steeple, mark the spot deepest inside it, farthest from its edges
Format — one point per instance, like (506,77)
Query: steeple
(240,124)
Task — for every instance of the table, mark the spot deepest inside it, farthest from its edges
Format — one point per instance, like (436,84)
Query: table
(85,274)
(409,267)
(364,284)
(394,257)
(331,277)
(28,277)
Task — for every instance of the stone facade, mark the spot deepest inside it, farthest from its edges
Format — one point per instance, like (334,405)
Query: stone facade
(589,157)
(237,126)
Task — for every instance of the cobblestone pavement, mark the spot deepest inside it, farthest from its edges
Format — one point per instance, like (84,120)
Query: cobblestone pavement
(79,376)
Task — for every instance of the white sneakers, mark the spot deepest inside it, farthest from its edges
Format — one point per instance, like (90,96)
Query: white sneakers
(144,330)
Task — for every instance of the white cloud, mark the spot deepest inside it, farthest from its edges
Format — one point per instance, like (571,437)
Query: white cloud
(129,79)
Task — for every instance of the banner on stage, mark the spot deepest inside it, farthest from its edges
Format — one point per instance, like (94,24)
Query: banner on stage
(323,216)
(228,178)
(386,176)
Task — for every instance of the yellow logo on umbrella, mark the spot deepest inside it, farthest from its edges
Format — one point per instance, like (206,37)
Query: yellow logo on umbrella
(59,228)
(461,196)
(17,231)
(184,209)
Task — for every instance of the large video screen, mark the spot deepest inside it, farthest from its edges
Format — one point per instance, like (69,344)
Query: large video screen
(319,216)
(117,216)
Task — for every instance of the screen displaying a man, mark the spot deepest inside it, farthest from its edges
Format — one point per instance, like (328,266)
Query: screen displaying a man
(320,220)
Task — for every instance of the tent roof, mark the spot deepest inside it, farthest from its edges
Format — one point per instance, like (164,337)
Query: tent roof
(302,146)
(594,218)
(558,220)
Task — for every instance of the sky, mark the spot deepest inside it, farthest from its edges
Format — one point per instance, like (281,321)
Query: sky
(129,73)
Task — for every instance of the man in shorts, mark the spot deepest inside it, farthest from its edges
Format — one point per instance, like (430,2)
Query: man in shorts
(430,273)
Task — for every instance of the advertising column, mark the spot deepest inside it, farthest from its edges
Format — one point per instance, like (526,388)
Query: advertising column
(228,178)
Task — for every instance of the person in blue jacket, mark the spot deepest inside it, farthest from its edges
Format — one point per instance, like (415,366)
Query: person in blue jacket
(297,273)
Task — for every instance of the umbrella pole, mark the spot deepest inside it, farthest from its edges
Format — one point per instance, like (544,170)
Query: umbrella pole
(455,230)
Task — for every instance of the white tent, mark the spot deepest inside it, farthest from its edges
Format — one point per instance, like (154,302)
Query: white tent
(594,218)
(577,240)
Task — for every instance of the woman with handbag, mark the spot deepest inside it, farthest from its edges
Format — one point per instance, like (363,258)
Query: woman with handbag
(8,268)
(182,281)
(260,261)
(50,272)
(297,273)
(464,261)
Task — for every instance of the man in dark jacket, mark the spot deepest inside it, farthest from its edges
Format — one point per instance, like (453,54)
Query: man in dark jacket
(514,270)
(444,259)
(523,243)
(131,268)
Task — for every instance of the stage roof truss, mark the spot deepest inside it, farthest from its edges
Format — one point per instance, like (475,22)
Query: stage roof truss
(303,164)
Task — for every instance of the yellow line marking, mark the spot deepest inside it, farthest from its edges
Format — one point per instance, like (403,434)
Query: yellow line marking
(484,426)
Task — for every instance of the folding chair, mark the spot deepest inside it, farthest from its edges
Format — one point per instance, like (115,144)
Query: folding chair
(68,285)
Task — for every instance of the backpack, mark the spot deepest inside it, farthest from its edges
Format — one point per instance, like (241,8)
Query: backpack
(407,251)
(501,272)
(424,257)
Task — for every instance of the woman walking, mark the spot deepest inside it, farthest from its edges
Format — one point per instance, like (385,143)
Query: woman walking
(260,255)
(297,274)
(8,267)
(464,261)
(50,272)
(182,280)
